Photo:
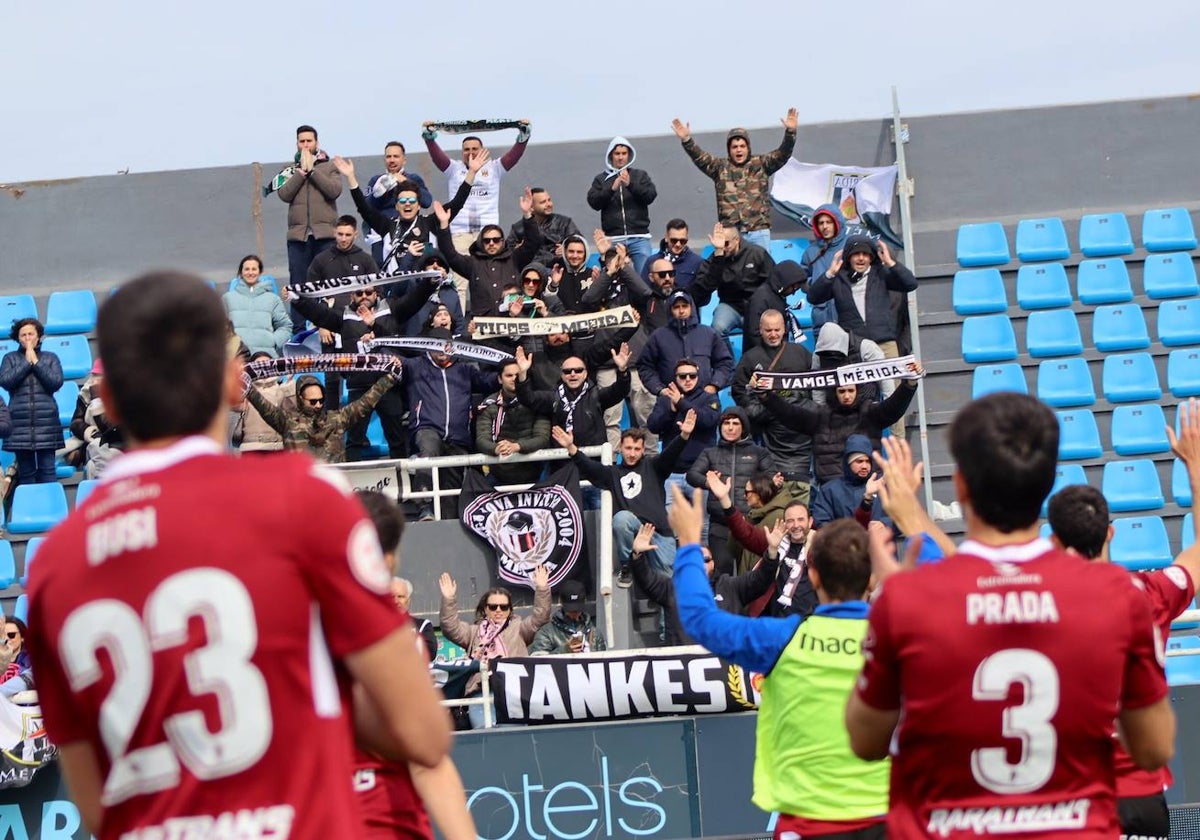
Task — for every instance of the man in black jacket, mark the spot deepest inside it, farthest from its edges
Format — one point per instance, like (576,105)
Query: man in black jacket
(623,196)
(554,228)
(790,448)
(504,427)
(577,404)
(734,270)
(786,278)
(637,487)
(490,264)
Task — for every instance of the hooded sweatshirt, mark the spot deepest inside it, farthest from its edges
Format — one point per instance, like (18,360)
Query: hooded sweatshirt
(819,255)
(837,499)
(737,460)
(742,190)
(863,303)
(686,339)
(773,294)
(624,211)
(574,282)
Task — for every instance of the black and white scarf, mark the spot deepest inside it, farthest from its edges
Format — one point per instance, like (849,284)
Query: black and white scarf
(569,404)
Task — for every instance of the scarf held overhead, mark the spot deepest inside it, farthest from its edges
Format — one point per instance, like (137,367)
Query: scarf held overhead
(458,349)
(856,374)
(463,126)
(620,317)
(324,363)
(335,285)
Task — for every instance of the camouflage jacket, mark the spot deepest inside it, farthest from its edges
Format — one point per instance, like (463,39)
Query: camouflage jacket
(742,191)
(322,433)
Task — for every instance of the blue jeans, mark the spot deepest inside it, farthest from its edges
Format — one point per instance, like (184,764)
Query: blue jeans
(639,249)
(35,466)
(680,480)
(625,528)
(725,320)
(761,238)
(300,257)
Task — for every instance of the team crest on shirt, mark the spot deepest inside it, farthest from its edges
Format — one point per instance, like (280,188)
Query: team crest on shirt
(366,559)
(631,485)
(1177,576)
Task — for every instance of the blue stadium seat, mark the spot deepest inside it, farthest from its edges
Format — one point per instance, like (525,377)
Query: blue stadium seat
(1183,373)
(1184,642)
(268,282)
(982,245)
(1043,286)
(1181,488)
(1168,230)
(735,345)
(1052,332)
(988,379)
(593,260)
(21,608)
(1105,235)
(1119,327)
(14,308)
(1079,436)
(705,252)
(1187,532)
(1103,281)
(73,353)
(725,395)
(8,565)
(1064,476)
(1131,485)
(1179,322)
(1065,383)
(979,291)
(1169,276)
(1130,377)
(377,446)
(67,397)
(988,338)
(707,310)
(788,249)
(37,507)
(84,489)
(626,422)
(1140,542)
(71,312)
(31,550)
(1139,429)
(810,341)
(1042,239)
(1044,532)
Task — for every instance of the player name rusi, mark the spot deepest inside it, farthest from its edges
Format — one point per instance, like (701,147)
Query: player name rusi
(1014,607)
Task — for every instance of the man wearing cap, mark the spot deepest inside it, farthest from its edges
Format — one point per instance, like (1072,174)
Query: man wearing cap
(570,629)
(742,180)
(735,270)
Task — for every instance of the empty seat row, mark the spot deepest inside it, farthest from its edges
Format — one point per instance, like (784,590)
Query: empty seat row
(1051,333)
(1100,235)
(1067,383)
(1138,543)
(66,312)
(981,291)
(39,507)
(1136,430)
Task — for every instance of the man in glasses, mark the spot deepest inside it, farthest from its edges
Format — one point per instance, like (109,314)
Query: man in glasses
(682,395)
(406,232)
(382,191)
(367,316)
(734,271)
(577,404)
(674,248)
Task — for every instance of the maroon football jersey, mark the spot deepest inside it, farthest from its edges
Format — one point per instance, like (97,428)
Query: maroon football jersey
(187,620)
(1170,592)
(1010,666)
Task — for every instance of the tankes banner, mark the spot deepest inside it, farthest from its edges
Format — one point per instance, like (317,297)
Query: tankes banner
(582,687)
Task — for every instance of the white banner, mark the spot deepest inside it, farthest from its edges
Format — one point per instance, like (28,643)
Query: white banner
(24,747)
(337,285)
(621,316)
(863,193)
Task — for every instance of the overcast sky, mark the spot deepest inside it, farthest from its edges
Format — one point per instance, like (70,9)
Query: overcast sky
(90,89)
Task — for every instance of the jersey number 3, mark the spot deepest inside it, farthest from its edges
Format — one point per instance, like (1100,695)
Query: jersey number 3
(221,668)
(1028,722)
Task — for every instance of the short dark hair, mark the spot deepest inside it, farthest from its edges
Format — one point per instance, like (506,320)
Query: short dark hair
(840,555)
(24,322)
(634,434)
(407,186)
(536,190)
(505,366)
(391,143)
(486,228)
(12,619)
(1078,516)
(386,516)
(246,259)
(303,128)
(163,335)
(1005,445)
(686,361)
(474,137)
(346,221)
(676,224)
(797,503)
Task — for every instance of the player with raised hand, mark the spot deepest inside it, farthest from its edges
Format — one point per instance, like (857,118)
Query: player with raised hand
(992,677)
(188,661)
